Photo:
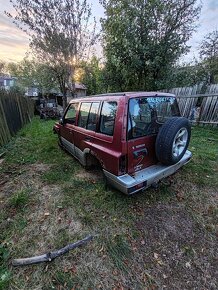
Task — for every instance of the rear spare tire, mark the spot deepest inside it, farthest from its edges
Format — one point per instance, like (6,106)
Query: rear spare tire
(172,140)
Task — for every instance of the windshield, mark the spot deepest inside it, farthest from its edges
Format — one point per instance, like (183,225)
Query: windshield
(146,115)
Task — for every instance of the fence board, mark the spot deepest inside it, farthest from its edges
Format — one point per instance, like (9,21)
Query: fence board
(200,108)
(15,111)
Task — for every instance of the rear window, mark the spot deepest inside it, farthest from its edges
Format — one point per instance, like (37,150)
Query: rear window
(146,115)
(108,115)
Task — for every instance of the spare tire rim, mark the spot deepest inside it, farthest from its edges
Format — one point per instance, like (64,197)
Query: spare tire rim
(179,142)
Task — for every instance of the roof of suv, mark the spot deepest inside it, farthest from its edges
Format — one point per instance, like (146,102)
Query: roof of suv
(126,94)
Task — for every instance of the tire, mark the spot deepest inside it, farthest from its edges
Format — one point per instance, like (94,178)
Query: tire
(172,140)
(60,143)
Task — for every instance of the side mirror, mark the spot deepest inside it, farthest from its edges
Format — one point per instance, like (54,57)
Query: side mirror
(61,121)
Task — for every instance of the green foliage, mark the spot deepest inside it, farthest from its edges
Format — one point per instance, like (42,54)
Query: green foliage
(94,77)
(2,67)
(186,75)
(209,56)
(144,39)
(31,73)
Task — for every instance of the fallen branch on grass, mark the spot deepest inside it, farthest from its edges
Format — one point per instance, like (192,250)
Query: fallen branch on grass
(3,182)
(51,255)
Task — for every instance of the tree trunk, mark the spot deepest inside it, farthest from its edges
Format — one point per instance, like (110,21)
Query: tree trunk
(71,82)
(64,99)
(211,78)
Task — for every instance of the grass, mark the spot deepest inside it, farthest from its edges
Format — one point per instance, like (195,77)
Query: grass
(5,274)
(152,239)
(204,164)
(19,199)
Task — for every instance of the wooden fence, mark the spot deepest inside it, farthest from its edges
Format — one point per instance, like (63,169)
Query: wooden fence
(15,111)
(200,108)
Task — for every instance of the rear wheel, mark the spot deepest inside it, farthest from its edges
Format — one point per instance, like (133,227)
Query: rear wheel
(172,140)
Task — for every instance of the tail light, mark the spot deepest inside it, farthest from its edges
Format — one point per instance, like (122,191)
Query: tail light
(122,164)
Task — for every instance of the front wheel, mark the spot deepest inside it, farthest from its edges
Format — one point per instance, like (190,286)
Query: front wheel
(172,140)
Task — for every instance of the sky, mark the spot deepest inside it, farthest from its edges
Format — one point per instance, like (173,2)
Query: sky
(14,43)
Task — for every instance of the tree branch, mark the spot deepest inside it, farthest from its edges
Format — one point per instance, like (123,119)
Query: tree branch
(51,255)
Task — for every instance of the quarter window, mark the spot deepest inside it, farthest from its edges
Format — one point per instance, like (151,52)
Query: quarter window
(108,114)
(83,114)
(70,116)
(139,118)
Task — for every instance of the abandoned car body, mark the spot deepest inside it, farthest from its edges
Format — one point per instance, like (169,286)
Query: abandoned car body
(138,138)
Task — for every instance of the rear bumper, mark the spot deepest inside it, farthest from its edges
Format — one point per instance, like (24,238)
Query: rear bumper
(146,177)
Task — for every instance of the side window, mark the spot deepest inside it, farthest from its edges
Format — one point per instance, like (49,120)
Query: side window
(92,119)
(83,114)
(108,115)
(70,116)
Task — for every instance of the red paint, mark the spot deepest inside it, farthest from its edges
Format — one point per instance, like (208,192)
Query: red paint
(109,149)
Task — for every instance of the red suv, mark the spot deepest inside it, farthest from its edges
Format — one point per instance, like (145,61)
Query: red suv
(138,138)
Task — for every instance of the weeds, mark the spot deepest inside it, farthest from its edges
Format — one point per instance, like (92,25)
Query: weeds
(5,274)
(19,199)
(119,251)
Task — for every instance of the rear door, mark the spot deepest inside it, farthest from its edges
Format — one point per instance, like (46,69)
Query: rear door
(86,127)
(141,135)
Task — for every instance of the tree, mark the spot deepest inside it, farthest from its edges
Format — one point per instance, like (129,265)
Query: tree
(144,39)
(209,55)
(93,76)
(2,67)
(62,34)
(186,74)
(31,73)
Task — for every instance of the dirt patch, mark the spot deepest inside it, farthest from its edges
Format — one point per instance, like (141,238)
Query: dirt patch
(39,167)
(47,221)
(4,178)
(172,248)
(43,225)
(201,200)
(93,175)
(16,177)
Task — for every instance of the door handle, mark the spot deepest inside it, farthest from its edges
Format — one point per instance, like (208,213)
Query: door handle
(87,139)
(140,152)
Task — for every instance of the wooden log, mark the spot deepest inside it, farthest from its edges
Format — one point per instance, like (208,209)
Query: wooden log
(51,255)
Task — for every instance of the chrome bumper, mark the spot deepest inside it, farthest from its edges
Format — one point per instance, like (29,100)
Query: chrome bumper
(146,177)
